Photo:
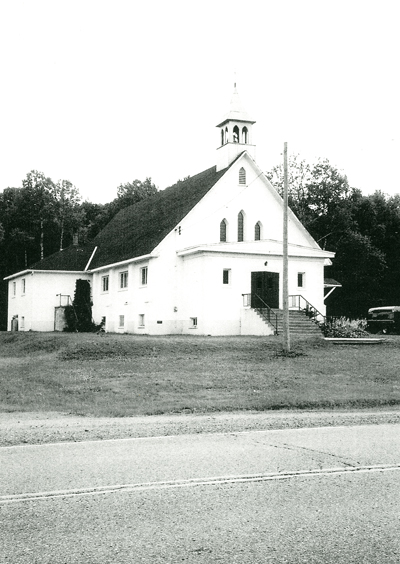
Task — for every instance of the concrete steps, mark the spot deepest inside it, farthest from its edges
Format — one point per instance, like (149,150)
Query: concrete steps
(299,323)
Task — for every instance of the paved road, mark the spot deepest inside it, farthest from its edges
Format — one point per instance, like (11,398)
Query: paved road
(302,495)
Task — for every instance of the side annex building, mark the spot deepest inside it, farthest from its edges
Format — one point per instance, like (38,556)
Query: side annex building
(204,256)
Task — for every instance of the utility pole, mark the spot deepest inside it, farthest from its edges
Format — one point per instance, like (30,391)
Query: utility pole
(286,332)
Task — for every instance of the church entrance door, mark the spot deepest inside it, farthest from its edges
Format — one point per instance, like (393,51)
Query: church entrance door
(265,285)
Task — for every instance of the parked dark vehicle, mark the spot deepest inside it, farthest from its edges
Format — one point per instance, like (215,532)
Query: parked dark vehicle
(384,319)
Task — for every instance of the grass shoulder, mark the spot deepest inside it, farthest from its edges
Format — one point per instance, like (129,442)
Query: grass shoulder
(125,375)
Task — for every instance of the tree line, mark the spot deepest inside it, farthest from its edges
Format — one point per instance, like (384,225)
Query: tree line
(41,217)
(363,231)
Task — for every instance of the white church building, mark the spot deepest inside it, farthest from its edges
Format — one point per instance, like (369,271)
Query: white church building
(204,256)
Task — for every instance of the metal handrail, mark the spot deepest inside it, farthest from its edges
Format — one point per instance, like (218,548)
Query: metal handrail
(261,310)
(296,301)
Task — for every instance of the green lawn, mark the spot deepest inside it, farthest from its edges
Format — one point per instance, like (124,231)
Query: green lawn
(125,375)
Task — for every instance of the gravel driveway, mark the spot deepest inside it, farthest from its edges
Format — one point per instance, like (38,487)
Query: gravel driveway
(37,428)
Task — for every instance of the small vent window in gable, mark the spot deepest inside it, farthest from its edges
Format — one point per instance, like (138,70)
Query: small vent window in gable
(240,226)
(257,231)
(242,176)
(222,231)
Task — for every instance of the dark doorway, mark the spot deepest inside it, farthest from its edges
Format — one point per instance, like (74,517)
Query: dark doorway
(265,285)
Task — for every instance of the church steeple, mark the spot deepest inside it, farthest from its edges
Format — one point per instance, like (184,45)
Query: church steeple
(235,133)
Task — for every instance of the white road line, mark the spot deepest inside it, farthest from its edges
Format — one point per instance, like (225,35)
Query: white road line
(193,482)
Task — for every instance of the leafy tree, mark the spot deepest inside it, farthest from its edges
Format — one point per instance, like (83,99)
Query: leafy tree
(37,192)
(133,192)
(68,212)
(363,231)
(96,216)
(362,269)
(319,195)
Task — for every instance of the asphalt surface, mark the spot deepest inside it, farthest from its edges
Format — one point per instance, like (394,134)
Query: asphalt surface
(322,494)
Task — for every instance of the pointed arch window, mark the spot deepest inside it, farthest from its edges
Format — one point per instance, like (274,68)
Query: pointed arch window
(222,231)
(236,134)
(257,231)
(242,176)
(240,226)
(245,135)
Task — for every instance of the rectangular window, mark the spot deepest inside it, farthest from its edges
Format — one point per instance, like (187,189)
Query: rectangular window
(121,321)
(143,275)
(226,276)
(23,281)
(193,323)
(300,279)
(22,322)
(14,290)
(105,283)
(123,280)
(141,319)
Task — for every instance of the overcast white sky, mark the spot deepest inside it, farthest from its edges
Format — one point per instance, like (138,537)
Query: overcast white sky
(101,92)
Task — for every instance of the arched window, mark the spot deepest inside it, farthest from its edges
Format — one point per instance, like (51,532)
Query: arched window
(236,134)
(245,135)
(222,231)
(257,231)
(242,176)
(240,226)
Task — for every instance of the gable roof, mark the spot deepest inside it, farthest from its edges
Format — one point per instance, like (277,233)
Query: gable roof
(136,230)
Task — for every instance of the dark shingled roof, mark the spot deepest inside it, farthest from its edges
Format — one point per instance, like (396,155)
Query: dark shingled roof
(72,258)
(137,229)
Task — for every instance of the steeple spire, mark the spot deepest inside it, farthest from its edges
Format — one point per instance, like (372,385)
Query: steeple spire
(236,110)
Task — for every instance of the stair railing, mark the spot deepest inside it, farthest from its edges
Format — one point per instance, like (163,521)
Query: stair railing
(264,310)
(301,304)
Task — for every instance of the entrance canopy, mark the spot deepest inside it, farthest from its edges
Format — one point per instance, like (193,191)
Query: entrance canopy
(330,286)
